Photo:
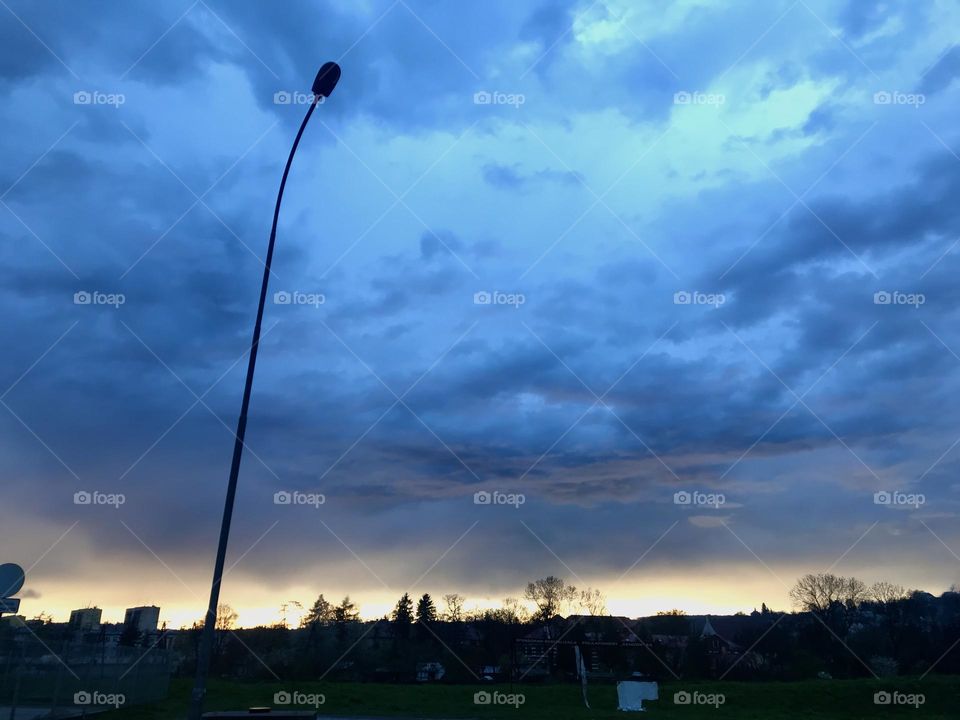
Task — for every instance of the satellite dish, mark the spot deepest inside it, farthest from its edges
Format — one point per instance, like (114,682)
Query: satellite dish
(11,579)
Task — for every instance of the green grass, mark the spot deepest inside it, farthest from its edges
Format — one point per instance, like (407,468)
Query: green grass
(751,701)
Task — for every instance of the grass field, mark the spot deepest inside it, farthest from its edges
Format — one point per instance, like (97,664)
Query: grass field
(759,701)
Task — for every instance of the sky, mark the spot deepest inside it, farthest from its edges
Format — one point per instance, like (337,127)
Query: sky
(672,282)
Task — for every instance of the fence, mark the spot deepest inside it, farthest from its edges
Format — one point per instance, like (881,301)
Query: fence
(53,677)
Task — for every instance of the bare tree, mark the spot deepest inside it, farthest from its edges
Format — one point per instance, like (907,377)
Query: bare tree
(550,595)
(885,592)
(857,591)
(226,617)
(514,611)
(454,603)
(225,622)
(815,593)
(592,602)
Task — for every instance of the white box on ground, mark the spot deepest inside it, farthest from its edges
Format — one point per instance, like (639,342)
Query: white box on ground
(632,693)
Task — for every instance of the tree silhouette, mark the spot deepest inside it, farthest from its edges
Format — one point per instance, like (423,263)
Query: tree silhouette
(454,603)
(592,602)
(403,612)
(816,593)
(886,592)
(226,617)
(426,610)
(513,611)
(403,616)
(225,622)
(344,614)
(550,595)
(320,613)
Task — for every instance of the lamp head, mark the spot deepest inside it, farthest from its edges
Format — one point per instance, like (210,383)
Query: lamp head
(326,80)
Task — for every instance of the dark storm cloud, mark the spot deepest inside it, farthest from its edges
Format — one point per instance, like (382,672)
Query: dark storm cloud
(101,35)
(834,227)
(598,396)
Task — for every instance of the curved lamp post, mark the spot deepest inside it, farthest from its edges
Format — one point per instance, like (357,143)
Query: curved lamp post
(323,85)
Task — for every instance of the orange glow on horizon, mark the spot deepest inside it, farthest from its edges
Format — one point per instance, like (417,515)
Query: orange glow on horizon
(257,608)
(717,590)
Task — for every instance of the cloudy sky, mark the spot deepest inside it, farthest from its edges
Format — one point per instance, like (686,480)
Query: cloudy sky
(681,274)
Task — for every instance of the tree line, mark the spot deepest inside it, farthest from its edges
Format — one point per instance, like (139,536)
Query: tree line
(549,597)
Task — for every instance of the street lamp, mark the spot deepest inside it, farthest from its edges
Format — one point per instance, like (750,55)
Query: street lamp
(323,85)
